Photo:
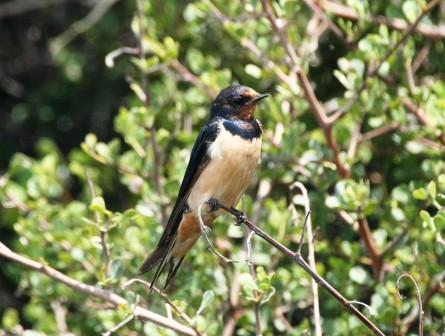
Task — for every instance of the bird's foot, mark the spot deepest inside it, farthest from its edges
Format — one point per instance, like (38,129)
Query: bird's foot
(214,204)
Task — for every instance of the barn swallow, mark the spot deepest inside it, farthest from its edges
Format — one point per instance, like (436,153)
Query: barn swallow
(221,165)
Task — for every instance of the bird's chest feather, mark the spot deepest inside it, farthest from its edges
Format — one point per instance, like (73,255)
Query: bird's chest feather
(233,161)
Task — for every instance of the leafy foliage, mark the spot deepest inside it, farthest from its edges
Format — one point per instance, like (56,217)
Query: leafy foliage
(113,195)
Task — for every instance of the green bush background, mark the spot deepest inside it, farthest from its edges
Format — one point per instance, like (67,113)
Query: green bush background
(87,118)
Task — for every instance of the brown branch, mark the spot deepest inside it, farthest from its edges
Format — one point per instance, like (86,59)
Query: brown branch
(366,236)
(305,266)
(190,77)
(348,13)
(293,58)
(326,123)
(410,28)
(315,7)
(94,291)
(379,132)
(147,102)
(421,117)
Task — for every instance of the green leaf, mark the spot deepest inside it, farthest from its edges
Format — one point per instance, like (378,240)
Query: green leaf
(432,192)
(420,194)
(98,205)
(358,274)
(206,301)
(411,10)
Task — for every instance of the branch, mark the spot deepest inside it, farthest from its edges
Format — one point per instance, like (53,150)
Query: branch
(305,266)
(418,296)
(81,26)
(94,291)
(421,117)
(147,103)
(348,13)
(103,231)
(167,300)
(410,28)
(391,127)
(311,256)
(17,7)
(190,77)
(435,286)
(366,236)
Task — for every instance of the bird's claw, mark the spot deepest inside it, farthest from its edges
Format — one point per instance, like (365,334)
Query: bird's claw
(205,230)
(241,218)
(214,204)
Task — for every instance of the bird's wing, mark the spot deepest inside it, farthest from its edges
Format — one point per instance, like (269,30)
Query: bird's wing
(198,160)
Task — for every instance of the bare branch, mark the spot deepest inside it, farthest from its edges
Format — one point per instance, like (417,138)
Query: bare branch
(81,26)
(167,300)
(311,253)
(346,12)
(421,117)
(103,231)
(147,102)
(434,287)
(119,325)
(17,7)
(375,69)
(366,236)
(190,77)
(94,291)
(391,127)
(305,266)
(419,298)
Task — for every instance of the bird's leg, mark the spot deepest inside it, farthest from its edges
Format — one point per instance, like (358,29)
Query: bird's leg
(241,218)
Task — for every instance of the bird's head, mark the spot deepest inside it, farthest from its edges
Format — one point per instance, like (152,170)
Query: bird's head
(236,102)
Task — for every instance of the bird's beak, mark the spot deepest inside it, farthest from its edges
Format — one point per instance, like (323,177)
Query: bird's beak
(259,97)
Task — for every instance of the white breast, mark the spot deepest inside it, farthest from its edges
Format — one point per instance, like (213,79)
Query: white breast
(232,163)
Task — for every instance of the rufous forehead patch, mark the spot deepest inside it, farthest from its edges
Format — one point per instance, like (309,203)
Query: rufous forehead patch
(249,93)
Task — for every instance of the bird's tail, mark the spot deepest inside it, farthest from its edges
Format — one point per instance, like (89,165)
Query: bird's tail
(162,256)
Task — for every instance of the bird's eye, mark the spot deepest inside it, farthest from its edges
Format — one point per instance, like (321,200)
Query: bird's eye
(240,100)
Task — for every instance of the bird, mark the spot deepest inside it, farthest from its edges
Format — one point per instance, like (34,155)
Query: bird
(222,162)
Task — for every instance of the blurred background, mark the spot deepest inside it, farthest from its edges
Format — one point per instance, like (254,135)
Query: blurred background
(100,103)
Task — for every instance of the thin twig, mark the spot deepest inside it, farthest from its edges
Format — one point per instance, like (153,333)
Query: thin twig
(305,266)
(79,27)
(418,296)
(349,13)
(375,69)
(190,77)
(17,7)
(103,230)
(147,102)
(205,231)
(434,287)
(119,325)
(60,317)
(94,291)
(167,300)
(253,274)
(311,254)
(391,127)
(421,117)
